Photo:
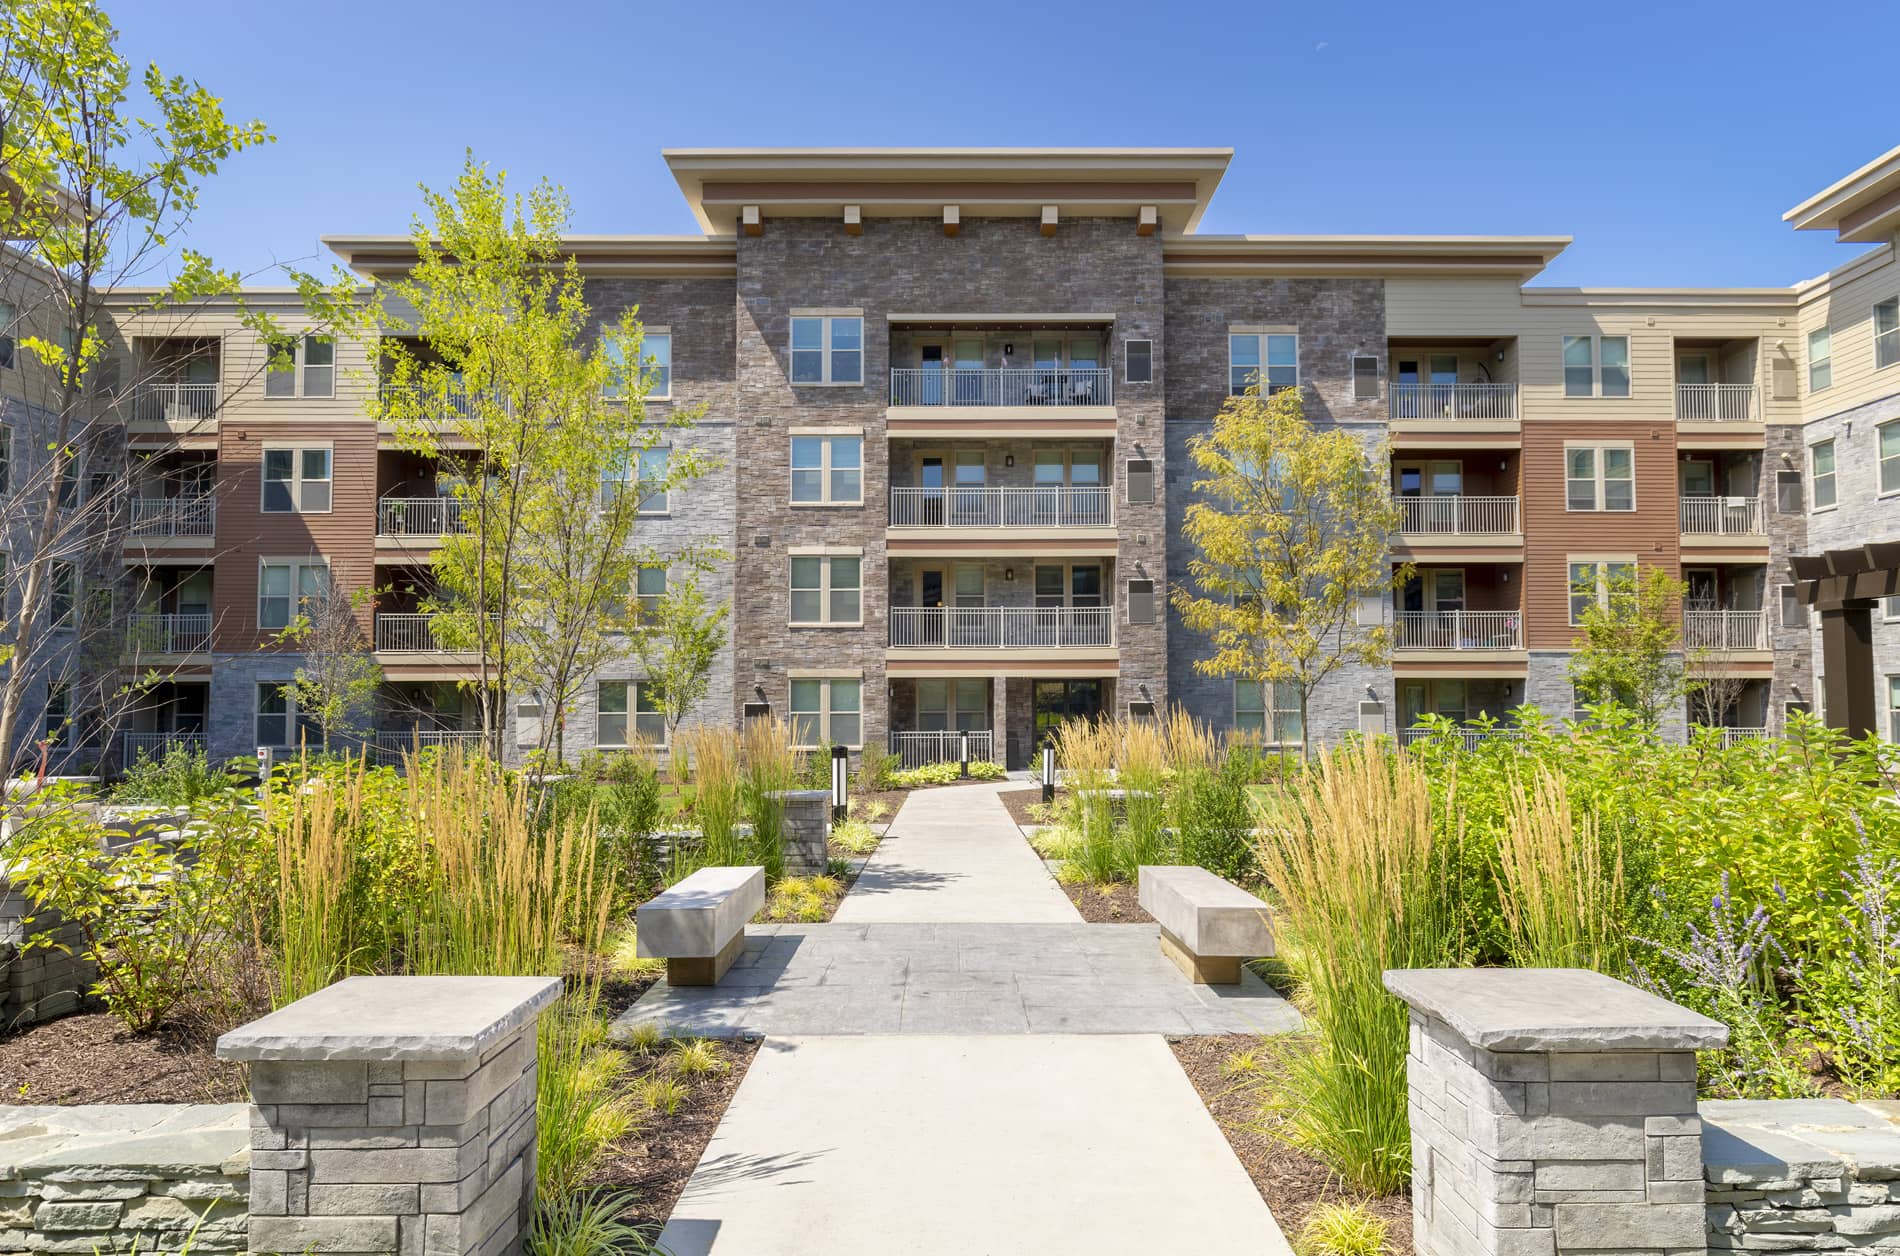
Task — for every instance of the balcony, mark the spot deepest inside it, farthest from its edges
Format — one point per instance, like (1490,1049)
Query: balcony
(1457,515)
(1477,631)
(160,517)
(148,633)
(1721,516)
(392,744)
(174,405)
(1002,627)
(136,746)
(1050,507)
(1002,386)
(1470,736)
(419,516)
(1491,403)
(1716,403)
(921,749)
(1723,631)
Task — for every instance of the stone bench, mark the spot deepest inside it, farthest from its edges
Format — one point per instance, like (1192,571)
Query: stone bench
(1208,926)
(698,926)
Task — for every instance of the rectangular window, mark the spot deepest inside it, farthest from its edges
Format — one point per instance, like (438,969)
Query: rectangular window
(285,590)
(653,478)
(624,706)
(1596,366)
(1268,361)
(1365,377)
(1788,492)
(826,589)
(1893,708)
(1140,362)
(1820,359)
(279,723)
(656,364)
(297,481)
(828,349)
(1277,721)
(1794,614)
(311,356)
(1821,473)
(59,710)
(7,341)
(1600,478)
(1887,438)
(6,459)
(649,588)
(62,593)
(1591,583)
(1887,333)
(610,714)
(828,470)
(1141,601)
(1141,481)
(827,712)
(1889,606)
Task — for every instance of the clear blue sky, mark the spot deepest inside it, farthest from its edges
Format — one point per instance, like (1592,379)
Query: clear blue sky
(1662,135)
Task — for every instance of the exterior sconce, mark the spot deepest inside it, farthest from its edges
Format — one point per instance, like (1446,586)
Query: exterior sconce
(1009,575)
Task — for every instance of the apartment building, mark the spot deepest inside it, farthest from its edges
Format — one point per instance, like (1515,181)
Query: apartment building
(951,393)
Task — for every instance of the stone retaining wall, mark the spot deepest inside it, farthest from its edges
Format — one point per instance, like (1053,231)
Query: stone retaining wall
(46,981)
(104,1177)
(1802,1175)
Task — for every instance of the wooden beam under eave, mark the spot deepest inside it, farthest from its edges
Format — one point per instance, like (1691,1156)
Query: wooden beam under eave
(749,215)
(1048,220)
(952,219)
(853,221)
(1145,225)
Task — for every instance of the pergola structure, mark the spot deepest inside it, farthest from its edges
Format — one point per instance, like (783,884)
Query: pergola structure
(1844,586)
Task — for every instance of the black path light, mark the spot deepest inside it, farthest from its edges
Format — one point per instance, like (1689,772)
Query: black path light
(840,795)
(1049,770)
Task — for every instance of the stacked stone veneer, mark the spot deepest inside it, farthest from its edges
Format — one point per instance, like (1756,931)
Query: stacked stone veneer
(805,831)
(395,1114)
(49,979)
(1802,1175)
(104,1178)
(1552,1111)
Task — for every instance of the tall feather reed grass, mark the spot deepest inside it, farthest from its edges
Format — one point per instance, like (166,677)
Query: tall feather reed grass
(1086,750)
(1559,888)
(315,928)
(1143,777)
(1363,886)
(769,767)
(712,757)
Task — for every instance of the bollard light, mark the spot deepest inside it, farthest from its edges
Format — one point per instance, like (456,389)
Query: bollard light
(963,755)
(1048,772)
(840,794)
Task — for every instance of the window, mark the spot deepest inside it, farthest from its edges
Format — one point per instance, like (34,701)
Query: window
(1269,361)
(62,593)
(656,361)
(612,712)
(277,585)
(825,589)
(59,711)
(312,356)
(953,706)
(1889,606)
(1141,481)
(1820,359)
(1893,708)
(649,588)
(1794,614)
(1821,473)
(1887,436)
(297,481)
(827,349)
(1600,478)
(1596,366)
(1277,722)
(1591,582)
(1141,601)
(828,470)
(649,480)
(1365,377)
(279,722)
(1138,356)
(7,314)
(827,712)
(6,458)
(1887,333)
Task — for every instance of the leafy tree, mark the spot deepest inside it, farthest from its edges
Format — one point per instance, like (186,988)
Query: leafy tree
(1291,533)
(678,641)
(338,678)
(1628,648)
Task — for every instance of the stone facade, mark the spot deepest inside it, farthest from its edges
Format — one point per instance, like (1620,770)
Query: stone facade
(1802,1175)
(48,980)
(805,822)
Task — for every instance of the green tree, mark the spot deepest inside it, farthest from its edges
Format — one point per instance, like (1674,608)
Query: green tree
(338,677)
(1291,533)
(1628,649)
(678,640)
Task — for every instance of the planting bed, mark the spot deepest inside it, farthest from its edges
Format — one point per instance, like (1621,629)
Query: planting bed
(91,1057)
(1019,801)
(1112,904)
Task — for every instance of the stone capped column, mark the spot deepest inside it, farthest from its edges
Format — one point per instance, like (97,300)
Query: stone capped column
(1552,1111)
(394,1114)
(806,831)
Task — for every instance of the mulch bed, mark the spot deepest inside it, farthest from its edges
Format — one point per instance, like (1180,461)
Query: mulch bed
(657,1161)
(91,1057)
(1019,801)
(1107,904)
(1291,1182)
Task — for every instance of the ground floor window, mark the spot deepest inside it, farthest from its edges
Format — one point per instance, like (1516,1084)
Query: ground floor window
(279,722)
(1273,711)
(827,712)
(1893,708)
(953,706)
(59,709)
(1058,701)
(628,705)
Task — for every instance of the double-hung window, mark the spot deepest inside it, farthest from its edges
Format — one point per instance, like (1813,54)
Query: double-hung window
(656,367)
(1887,333)
(645,473)
(310,359)
(58,712)
(1820,359)
(1887,438)
(1821,474)
(649,588)
(1893,708)
(1596,366)
(826,589)
(827,470)
(62,596)
(1268,360)
(827,349)
(6,459)
(1592,582)
(297,481)
(7,339)
(628,705)
(288,589)
(1271,710)
(279,721)
(1600,477)
(827,711)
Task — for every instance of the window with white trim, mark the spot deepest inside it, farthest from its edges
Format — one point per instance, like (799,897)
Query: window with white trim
(1820,359)
(644,473)
(62,593)
(279,722)
(628,705)
(827,589)
(1596,366)
(297,481)
(1821,474)
(656,365)
(288,589)
(828,470)
(1887,333)
(827,711)
(1893,708)
(827,349)
(1273,711)
(1591,583)
(1887,440)
(1889,607)
(1269,360)
(945,706)
(1600,477)
(309,360)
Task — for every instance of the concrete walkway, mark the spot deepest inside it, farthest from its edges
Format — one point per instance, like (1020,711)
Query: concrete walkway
(955,855)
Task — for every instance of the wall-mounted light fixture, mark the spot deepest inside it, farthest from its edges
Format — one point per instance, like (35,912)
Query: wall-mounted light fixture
(1009,575)
(1009,460)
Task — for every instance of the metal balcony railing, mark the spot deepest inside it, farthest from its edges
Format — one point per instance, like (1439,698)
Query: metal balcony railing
(174,403)
(1715,403)
(1471,737)
(393,744)
(921,749)
(1720,516)
(1051,507)
(1002,386)
(1002,627)
(136,746)
(1458,515)
(1458,630)
(148,633)
(1725,630)
(434,406)
(415,633)
(172,516)
(419,516)
(1454,401)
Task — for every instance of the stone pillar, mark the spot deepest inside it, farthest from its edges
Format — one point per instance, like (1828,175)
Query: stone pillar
(48,980)
(1553,1111)
(395,1114)
(999,719)
(805,830)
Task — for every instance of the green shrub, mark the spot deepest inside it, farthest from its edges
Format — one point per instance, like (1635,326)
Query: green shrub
(946,774)
(182,777)
(589,1224)
(1341,1230)
(876,765)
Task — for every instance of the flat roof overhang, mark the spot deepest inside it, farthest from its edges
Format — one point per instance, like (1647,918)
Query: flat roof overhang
(1862,208)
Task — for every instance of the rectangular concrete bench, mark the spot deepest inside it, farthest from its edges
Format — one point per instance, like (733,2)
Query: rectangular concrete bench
(1208,926)
(698,926)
